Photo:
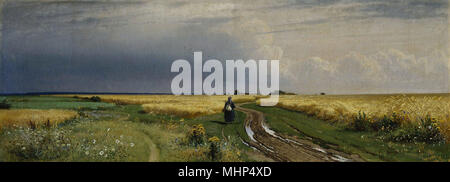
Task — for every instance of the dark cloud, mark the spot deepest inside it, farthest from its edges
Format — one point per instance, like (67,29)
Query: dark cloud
(75,55)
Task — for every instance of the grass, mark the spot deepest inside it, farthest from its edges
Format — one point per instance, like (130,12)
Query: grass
(51,102)
(369,145)
(92,136)
(214,125)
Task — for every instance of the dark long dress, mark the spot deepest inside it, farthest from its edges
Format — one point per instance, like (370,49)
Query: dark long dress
(229,115)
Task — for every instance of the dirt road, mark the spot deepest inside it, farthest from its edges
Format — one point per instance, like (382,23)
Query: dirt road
(285,148)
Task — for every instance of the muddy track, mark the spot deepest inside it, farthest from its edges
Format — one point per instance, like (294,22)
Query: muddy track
(284,148)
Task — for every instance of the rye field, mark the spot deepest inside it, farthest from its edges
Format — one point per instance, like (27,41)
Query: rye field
(400,109)
(181,105)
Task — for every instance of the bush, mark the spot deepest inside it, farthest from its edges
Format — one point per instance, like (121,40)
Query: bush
(95,99)
(196,135)
(387,123)
(4,104)
(426,130)
(214,148)
(361,122)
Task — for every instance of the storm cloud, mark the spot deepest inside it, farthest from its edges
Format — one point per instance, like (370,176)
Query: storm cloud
(332,46)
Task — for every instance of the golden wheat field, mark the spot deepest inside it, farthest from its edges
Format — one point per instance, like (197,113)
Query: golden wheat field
(22,117)
(336,108)
(180,105)
(345,107)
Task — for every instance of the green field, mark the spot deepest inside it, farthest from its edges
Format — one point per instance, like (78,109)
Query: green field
(51,102)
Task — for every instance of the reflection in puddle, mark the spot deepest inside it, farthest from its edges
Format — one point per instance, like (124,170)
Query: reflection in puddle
(245,143)
(249,132)
(340,158)
(320,150)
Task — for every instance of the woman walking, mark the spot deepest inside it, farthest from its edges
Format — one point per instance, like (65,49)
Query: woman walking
(229,110)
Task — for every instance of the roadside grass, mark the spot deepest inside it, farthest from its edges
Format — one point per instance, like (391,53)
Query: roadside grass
(370,146)
(214,124)
(76,141)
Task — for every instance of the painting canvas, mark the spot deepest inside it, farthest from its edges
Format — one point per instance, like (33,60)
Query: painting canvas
(224,81)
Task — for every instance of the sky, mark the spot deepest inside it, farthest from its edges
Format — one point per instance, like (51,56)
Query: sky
(330,46)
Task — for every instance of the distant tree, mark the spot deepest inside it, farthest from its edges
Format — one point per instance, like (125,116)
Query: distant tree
(281,92)
(4,104)
(322,93)
(95,99)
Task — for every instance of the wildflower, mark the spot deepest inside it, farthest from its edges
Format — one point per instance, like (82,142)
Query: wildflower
(117,141)
(214,139)
(132,144)
(87,153)
(101,152)
(23,148)
(93,141)
(108,129)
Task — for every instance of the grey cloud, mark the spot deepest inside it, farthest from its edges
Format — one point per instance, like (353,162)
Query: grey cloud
(64,14)
(384,72)
(209,21)
(409,9)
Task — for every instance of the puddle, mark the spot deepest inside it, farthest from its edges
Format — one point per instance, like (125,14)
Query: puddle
(268,130)
(273,133)
(245,143)
(289,140)
(340,158)
(250,132)
(320,150)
